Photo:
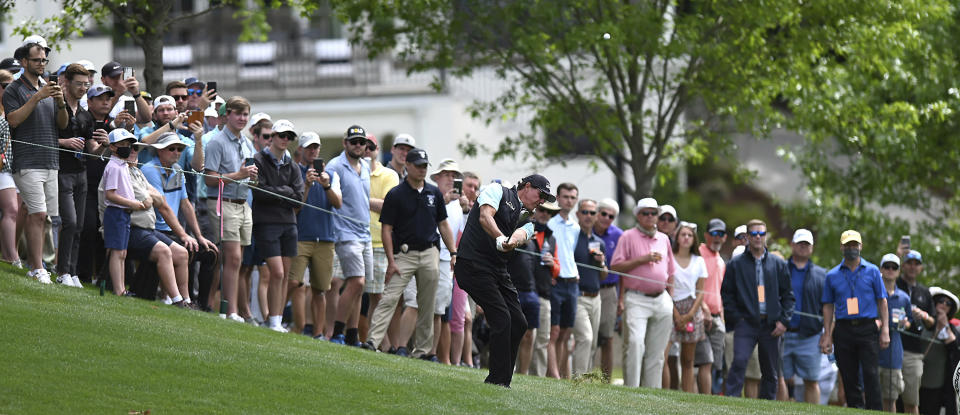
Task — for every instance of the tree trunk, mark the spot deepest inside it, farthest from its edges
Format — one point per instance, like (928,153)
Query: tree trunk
(153,63)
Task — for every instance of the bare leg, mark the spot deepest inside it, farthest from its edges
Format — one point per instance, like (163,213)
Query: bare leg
(116,270)
(263,291)
(276,286)
(318,304)
(687,351)
(181,258)
(553,370)
(705,379)
(468,340)
(8,224)
(332,300)
(160,255)
(606,359)
(243,291)
(443,349)
(811,394)
(563,352)
(231,267)
(34,229)
(525,352)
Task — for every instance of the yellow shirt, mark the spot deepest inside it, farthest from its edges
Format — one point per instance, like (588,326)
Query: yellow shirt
(381,181)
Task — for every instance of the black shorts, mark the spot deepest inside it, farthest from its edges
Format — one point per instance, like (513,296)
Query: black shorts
(275,239)
(143,240)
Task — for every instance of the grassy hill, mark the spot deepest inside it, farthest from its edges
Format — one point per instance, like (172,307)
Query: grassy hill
(67,350)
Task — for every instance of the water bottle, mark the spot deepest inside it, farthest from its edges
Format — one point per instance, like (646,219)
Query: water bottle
(545,250)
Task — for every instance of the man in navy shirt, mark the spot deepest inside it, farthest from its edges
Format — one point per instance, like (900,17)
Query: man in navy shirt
(412,213)
(607,211)
(588,250)
(854,294)
(801,349)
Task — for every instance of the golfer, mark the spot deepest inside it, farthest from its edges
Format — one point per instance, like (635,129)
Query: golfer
(481,269)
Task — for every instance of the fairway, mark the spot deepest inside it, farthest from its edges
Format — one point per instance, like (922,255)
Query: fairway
(67,350)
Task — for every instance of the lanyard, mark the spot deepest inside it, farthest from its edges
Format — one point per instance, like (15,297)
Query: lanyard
(853,283)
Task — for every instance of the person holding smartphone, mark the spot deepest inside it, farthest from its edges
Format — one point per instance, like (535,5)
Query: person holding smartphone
(588,249)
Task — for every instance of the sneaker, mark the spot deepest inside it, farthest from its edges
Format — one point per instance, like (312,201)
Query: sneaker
(65,279)
(430,358)
(278,329)
(402,352)
(338,339)
(166,300)
(393,350)
(76,281)
(235,317)
(18,263)
(368,345)
(40,275)
(320,337)
(179,304)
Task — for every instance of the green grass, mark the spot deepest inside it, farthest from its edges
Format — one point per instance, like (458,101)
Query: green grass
(71,351)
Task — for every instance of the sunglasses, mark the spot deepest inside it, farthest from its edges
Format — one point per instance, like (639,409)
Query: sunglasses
(588,212)
(667,218)
(179,97)
(757,233)
(357,141)
(648,213)
(192,91)
(284,136)
(608,215)
(371,147)
(891,267)
(175,149)
(943,300)
(718,233)
(265,136)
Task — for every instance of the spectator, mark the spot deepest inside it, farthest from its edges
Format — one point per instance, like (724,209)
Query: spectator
(412,212)
(713,238)
(688,299)
(178,91)
(118,203)
(854,295)
(461,314)
(645,301)
(936,390)
(199,96)
(261,129)
(801,351)
(207,282)
(382,179)
(891,359)
(589,250)
(444,176)
(274,218)
(353,246)
(740,240)
(110,75)
(34,112)
(402,143)
(545,269)
(563,303)
(668,220)
(923,313)
(226,163)
(471,185)
(9,200)
(604,228)
(166,120)
(72,178)
(758,304)
(315,229)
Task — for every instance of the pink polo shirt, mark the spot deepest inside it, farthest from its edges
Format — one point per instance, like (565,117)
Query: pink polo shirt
(711,287)
(654,275)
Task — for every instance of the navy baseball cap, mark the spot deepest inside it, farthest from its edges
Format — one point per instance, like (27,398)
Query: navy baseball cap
(111,69)
(540,183)
(193,81)
(417,157)
(356,131)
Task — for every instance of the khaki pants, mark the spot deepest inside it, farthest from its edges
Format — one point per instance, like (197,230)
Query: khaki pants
(423,265)
(538,365)
(649,321)
(585,330)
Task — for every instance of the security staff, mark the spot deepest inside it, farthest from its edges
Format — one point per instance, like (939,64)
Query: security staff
(412,212)
(482,267)
(854,291)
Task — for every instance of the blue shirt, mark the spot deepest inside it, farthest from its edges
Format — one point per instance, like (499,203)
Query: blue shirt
(170,184)
(864,283)
(356,200)
(312,224)
(610,239)
(898,304)
(566,233)
(226,153)
(201,187)
(797,275)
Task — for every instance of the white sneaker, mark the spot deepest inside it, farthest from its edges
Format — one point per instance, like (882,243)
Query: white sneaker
(76,282)
(167,300)
(65,279)
(40,275)
(278,329)
(235,317)
(18,263)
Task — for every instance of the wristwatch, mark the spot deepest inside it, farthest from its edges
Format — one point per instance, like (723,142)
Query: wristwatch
(453,254)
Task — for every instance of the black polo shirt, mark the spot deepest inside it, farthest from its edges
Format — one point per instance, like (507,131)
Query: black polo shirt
(919,297)
(80,124)
(414,215)
(589,277)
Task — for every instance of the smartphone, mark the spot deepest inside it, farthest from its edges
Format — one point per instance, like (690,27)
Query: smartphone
(127,72)
(905,241)
(211,85)
(100,125)
(195,116)
(131,107)
(458,185)
(318,165)
(53,78)
(248,162)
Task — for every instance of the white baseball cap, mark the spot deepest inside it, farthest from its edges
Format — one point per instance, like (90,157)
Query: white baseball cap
(283,126)
(255,118)
(803,235)
(890,258)
(120,134)
(742,229)
(163,100)
(38,40)
(645,203)
(309,138)
(404,139)
(669,209)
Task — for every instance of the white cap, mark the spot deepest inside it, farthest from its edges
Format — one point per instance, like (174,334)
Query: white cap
(740,230)
(210,112)
(255,118)
(283,126)
(309,138)
(87,65)
(121,134)
(645,203)
(890,258)
(404,139)
(803,235)
(669,209)
(609,203)
(738,250)
(218,100)
(163,100)
(36,39)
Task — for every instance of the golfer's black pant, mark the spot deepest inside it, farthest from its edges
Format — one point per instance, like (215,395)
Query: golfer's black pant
(494,292)
(856,344)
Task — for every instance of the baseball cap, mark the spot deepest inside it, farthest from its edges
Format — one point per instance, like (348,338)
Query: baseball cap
(849,236)
(111,69)
(283,126)
(540,183)
(416,156)
(741,230)
(404,139)
(210,112)
(890,258)
(219,100)
(168,139)
(446,165)
(915,255)
(356,131)
(146,96)
(550,206)
(309,138)
(716,224)
(193,81)
(62,68)
(163,100)
(99,89)
(38,40)
(87,65)
(373,139)
(803,235)
(645,203)
(10,65)
(260,116)
(120,134)
(669,209)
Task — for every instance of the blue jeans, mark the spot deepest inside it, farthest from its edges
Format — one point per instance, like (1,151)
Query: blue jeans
(745,337)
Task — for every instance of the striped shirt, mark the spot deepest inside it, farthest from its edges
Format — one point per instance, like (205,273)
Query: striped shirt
(40,128)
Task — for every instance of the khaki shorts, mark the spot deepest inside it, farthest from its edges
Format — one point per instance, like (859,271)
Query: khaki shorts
(891,383)
(912,372)
(237,222)
(319,255)
(39,190)
(376,285)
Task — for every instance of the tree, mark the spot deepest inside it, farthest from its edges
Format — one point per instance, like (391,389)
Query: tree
(146,22)
(623,75)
